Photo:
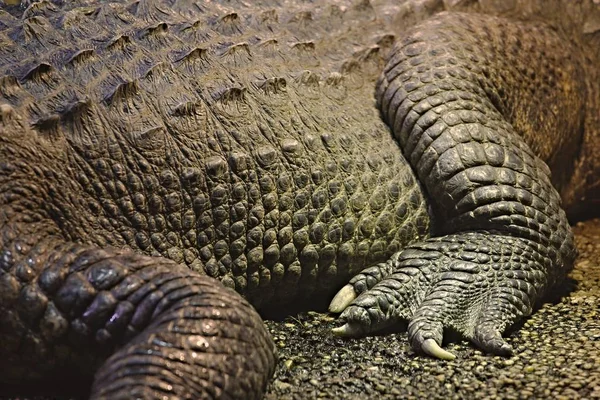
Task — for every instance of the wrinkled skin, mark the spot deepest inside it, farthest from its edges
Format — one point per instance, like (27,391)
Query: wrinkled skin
(290,151)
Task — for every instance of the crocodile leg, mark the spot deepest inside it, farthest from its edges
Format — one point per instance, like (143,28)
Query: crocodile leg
(66,305)
(474,129)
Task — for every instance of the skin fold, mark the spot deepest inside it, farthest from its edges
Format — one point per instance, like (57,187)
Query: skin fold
(156,157)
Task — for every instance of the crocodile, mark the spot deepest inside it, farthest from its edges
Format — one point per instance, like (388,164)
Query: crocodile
(171,170)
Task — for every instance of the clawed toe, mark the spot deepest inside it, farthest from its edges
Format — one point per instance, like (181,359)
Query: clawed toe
(490,340)
(432,348)
(342,299)
(349,330)
(426,334)
(359,284)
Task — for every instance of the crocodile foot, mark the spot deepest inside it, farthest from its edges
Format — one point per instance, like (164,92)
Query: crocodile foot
(476,283)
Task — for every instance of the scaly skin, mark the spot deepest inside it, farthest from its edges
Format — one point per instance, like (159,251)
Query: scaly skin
(244,142)
(219,139)
(453,93)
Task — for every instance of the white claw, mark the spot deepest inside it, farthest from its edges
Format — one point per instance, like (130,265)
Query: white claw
(431,347)
(342,299)
(348,330)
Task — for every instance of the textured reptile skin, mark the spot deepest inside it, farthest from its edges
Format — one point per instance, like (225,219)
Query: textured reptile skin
(225,138)
(243,141)
(455,93)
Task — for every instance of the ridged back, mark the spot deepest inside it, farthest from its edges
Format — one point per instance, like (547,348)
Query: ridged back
(240,139)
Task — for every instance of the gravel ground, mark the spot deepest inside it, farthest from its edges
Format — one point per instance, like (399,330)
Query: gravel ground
(557,353)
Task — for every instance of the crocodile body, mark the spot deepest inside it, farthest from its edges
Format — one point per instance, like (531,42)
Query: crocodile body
(151,149)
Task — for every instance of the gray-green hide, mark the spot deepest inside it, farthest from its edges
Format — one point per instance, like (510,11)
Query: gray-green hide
(290,150)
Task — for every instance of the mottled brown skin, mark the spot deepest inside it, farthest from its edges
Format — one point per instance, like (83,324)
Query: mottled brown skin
(151,149)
